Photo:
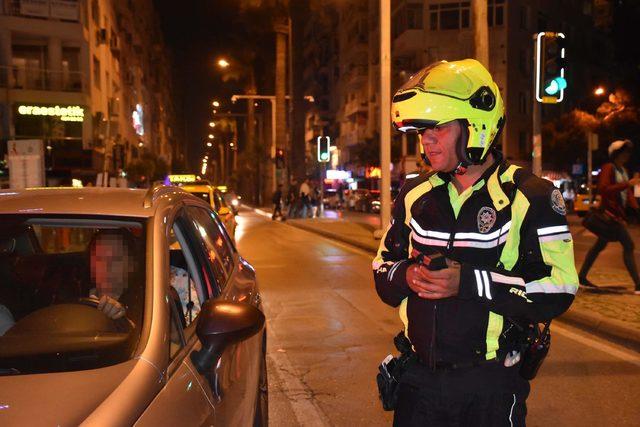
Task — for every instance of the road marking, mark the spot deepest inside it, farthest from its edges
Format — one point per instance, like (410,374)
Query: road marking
(298,394)
(626,355)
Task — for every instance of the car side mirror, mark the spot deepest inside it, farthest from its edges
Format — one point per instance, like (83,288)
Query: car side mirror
(223,323)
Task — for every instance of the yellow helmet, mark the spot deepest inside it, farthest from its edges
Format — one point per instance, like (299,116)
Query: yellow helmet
(448,91)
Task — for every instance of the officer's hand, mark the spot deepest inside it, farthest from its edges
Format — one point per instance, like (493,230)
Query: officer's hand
(436,284)
(416,278)
(111,307)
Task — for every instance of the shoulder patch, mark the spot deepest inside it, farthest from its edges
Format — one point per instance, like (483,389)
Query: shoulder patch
(557,202)
(486,218)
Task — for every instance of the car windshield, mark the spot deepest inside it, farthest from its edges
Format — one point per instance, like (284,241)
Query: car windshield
(204,195)
(71,292)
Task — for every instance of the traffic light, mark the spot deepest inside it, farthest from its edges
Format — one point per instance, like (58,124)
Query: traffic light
(279,158)
(324,149)
(550,67)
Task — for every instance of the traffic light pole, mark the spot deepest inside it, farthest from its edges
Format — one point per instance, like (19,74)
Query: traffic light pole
(536,160)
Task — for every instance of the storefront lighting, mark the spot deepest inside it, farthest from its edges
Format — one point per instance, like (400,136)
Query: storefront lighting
(73,113)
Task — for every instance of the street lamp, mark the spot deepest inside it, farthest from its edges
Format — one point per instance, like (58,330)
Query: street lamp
(212,124)
(599,91)
(211,136)
(215,104)
(209,144)
(223,63)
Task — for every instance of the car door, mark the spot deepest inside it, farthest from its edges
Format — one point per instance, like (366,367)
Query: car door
(232,384)
(183,400)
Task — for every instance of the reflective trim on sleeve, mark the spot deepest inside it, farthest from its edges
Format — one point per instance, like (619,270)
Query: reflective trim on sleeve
(487,284)
(428,233)
(429,242)
(393,269)
(551,230)
(553,237)
(478,282)
(480,245)
(550,288)
(507,280)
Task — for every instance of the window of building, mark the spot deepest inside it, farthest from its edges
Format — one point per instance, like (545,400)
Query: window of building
(414,16)
(449,16)
(95,12)
(96,72)
(495,13)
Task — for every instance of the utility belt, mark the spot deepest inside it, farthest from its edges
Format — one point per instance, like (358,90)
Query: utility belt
(534,350)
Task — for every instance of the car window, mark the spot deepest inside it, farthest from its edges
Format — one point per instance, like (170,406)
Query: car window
(54,274)
(214,241)
(185,286)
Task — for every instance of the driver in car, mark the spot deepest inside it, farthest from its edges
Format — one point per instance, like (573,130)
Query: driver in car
(112,263)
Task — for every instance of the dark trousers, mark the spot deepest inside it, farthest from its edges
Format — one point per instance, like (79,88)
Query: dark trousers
(622,236)
(484,396)
(277,210)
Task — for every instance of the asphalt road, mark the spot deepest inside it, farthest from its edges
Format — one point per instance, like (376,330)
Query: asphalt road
(328,332)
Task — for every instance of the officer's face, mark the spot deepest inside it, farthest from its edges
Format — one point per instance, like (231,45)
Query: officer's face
(439,145)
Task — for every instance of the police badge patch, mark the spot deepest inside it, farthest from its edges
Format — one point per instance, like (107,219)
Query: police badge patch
(557,202)
(486,219)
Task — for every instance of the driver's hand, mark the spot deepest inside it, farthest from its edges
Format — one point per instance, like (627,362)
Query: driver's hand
(111,307)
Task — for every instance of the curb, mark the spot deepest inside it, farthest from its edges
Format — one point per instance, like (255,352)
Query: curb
(612,329)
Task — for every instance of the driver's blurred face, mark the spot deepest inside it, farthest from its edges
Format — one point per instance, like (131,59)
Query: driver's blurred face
(110,265)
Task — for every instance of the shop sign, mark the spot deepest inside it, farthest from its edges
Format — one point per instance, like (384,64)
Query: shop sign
(66,114)
(338,174)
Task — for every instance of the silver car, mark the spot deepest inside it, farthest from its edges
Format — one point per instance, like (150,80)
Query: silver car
(126,307)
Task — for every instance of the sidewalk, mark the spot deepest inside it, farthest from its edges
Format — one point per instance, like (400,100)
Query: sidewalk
(611,311)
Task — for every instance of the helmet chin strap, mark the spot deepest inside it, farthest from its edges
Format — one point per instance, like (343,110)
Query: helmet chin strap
(461,169)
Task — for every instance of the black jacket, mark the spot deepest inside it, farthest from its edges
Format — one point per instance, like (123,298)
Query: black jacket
(510,234)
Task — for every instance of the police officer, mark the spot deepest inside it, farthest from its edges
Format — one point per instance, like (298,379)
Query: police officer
(507,248)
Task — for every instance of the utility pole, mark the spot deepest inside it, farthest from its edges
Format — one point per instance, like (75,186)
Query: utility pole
(385,116)
(281,28)
(480,31)
(536,160)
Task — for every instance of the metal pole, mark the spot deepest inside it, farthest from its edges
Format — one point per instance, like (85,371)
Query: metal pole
(323,173)
(592,139)
(272,152)
(480,31)
(385,114)
(536,161)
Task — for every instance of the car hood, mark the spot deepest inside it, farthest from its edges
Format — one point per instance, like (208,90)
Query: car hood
(62,399)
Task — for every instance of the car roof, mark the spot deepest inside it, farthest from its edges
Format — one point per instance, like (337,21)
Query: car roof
(196,187)
(85,201)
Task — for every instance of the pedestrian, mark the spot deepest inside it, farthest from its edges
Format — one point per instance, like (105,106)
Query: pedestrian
(292,199)
(476,252)
(616,193)
(276,199)
(315,201)
(304,196)
(569,195)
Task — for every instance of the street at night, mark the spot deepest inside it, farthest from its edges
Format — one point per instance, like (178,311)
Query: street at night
(407,213)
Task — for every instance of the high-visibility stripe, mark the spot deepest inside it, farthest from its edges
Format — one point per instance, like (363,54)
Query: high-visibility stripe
(480,245)
(479,283)
(427,241)
(498,198)
(553,237)
(428,233)
(551,230)
(394,268)
(550,288)
(494,329)
(487,284)
(479,236)
(511,250)
(507,176)
(507,280)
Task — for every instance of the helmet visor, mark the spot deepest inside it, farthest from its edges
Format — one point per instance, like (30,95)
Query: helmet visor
(443,78)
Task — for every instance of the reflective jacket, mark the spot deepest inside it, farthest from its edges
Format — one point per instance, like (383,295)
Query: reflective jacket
(510,234)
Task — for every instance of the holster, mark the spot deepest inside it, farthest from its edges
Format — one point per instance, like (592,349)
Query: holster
(535,350)
(391,370)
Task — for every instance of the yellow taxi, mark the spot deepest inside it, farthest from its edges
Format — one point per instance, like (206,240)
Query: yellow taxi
(204,190)
(582,203)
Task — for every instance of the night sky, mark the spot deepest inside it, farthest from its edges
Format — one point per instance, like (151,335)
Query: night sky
(197,33)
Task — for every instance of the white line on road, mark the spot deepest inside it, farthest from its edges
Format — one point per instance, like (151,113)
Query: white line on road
(610,349)
(299,396)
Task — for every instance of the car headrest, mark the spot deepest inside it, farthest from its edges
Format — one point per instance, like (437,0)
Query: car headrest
(7,247)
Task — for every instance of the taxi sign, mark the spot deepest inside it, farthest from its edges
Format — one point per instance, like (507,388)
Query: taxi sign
(182,178)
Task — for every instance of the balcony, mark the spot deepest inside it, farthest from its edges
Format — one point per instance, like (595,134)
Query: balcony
(24,78)
(63,10)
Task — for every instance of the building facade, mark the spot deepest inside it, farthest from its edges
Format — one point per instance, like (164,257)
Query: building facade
(91,78)
(425,31)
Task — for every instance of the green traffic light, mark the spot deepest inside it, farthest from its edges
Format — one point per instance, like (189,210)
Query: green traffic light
(324,156)
(556,85)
